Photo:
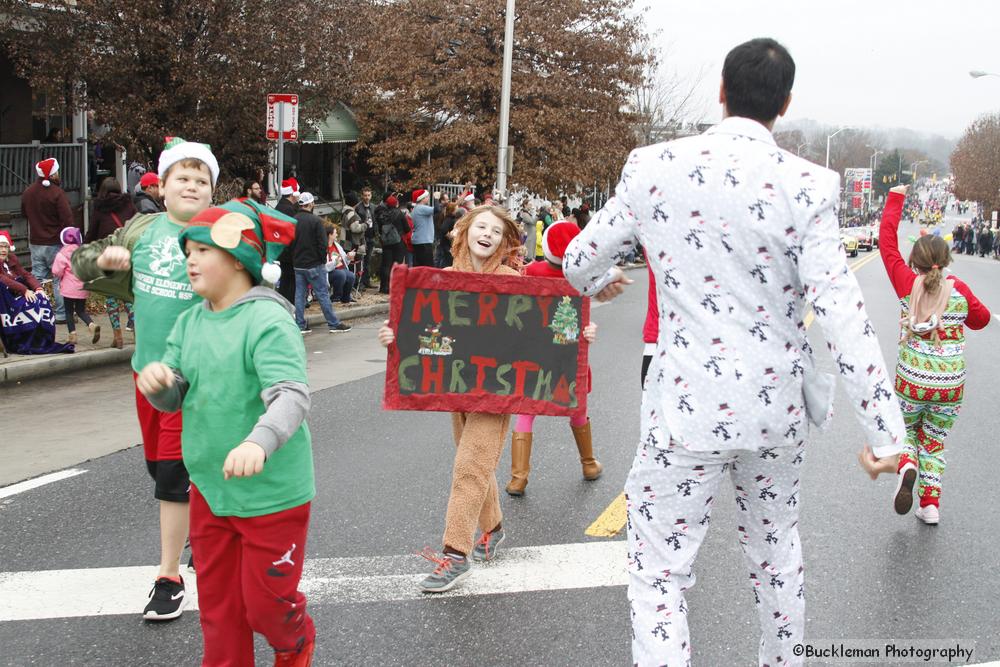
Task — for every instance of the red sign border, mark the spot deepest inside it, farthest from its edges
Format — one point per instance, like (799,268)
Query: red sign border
(285,98)
(405,277)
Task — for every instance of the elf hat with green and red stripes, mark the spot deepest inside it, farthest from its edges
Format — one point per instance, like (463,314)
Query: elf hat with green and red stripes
(252,233)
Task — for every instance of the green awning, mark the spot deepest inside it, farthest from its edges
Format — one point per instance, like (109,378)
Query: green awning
(338,128)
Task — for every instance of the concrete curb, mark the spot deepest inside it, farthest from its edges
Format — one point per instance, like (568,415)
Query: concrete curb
(39,367)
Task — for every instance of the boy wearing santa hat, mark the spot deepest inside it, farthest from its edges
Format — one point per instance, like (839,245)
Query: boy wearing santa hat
(555,240)
(237,365)
(142,262)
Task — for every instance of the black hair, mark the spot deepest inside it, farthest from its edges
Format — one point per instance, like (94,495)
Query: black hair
(757,77)
(351,199)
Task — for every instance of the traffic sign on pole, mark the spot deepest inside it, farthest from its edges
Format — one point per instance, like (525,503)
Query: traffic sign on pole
(283,116)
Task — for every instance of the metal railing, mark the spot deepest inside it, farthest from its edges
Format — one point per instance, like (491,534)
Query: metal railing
(17,165)
(453,190)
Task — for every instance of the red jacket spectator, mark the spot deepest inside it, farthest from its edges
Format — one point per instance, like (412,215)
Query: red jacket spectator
(48,212)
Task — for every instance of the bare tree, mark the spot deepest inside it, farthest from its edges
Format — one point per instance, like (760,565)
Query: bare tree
(666,99)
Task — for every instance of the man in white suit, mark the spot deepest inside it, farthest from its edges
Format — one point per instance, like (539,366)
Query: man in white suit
(742,240)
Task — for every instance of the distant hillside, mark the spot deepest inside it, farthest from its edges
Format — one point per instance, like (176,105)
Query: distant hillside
(934,145)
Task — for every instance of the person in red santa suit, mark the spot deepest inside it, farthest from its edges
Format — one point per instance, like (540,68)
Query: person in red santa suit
(554,242)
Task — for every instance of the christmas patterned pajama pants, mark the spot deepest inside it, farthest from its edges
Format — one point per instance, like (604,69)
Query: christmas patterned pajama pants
(669,495)
(112,306)
(927,425)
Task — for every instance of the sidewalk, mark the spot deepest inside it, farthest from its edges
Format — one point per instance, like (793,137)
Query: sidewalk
(17,368)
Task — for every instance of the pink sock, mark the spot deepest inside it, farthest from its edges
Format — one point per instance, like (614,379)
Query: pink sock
(524,424)
(576,421)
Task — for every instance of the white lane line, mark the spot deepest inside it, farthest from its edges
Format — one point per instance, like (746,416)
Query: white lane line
(122,590)
(30,484)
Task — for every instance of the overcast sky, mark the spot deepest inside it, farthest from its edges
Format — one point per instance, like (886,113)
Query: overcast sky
(887,64)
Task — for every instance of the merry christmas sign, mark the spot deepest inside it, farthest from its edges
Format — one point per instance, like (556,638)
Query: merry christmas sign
(466,342)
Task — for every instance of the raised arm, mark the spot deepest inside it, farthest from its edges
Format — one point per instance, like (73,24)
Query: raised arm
(900,275)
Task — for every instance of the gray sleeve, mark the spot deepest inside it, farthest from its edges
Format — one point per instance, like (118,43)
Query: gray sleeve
(171,398)
(287,406)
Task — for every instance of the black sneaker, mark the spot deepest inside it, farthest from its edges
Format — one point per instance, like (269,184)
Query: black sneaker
(166,600)
(340,328)
(305,331)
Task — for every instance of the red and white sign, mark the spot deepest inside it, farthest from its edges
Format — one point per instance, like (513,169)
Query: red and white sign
(290,109)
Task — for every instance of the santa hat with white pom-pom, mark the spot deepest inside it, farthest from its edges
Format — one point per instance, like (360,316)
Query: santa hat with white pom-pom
(252,233)
(47,168)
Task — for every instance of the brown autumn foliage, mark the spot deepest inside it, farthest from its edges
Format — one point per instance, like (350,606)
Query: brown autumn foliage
(976,163)
(428,91)
(423,77)
(199,70)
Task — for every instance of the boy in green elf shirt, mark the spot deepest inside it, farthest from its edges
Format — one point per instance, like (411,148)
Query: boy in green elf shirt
(142,263)
(235,366)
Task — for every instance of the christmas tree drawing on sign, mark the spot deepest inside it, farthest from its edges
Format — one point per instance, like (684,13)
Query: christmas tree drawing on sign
(565,323)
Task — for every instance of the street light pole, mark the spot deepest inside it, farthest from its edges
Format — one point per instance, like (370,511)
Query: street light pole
(503,150)
(828,138)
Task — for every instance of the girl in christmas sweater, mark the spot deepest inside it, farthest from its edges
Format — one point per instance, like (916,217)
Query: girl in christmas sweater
(554,242)
(930,371)
(486,240)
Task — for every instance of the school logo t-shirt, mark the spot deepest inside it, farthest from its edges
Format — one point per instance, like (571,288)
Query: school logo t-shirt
(161,288)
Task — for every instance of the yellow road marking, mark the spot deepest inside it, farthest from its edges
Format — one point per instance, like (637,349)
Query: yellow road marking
(613,518)
(611,521)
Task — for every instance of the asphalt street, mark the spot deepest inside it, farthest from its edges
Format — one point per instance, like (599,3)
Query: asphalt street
(382,482)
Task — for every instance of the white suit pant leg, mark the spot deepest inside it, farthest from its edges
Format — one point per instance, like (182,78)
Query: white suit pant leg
(767,497)
(669,497)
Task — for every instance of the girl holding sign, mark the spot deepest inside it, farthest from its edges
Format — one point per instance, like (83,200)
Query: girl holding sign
(486,240)
(554,241)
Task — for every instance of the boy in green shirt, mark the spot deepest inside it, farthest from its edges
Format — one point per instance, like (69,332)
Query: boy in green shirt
(141,262)
(235,365)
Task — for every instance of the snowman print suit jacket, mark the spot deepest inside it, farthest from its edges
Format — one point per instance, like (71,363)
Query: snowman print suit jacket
(742,238)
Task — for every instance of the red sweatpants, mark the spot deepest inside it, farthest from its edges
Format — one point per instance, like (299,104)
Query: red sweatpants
(248,579)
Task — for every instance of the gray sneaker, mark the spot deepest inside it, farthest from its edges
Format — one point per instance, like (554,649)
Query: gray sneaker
(486,547)
(450,570)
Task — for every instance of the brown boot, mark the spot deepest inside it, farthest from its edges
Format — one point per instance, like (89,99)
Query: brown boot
(520,463)
(95,330)
(591,467)
(117,342)
(71,339)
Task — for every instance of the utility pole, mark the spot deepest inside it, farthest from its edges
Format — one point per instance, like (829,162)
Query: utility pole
(281,145)
(503,149)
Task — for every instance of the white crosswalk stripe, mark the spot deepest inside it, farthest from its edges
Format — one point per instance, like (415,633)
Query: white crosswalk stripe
(120,590)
